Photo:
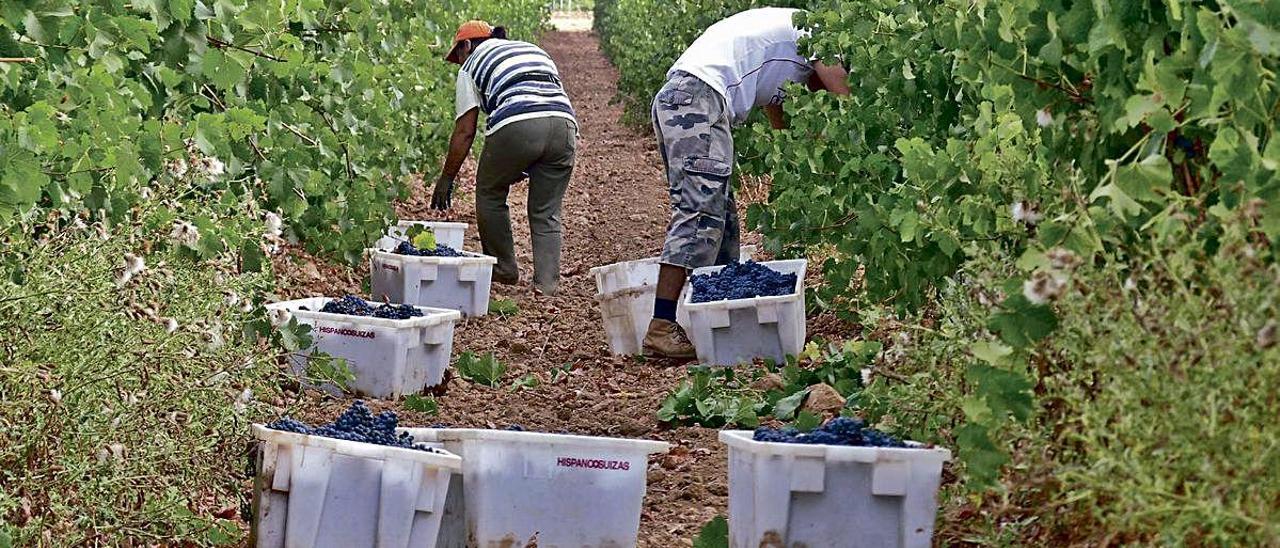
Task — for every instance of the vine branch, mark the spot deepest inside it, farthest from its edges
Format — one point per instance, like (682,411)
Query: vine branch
(228,45)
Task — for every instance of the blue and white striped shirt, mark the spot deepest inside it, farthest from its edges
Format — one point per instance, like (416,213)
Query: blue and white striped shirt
(511,81)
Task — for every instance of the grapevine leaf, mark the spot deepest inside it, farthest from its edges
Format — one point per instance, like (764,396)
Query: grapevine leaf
(422,404)
(1021,323)
(222,69)
(786,407)
(1005,392)
(714,534)
(981,457)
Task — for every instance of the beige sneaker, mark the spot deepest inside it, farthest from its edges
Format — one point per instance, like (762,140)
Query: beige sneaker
(666,339)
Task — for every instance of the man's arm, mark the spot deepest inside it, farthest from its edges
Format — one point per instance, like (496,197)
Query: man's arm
(833,78)
(464,134)
(776,117)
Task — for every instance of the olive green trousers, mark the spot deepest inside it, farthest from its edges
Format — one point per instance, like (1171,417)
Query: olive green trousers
(543,148)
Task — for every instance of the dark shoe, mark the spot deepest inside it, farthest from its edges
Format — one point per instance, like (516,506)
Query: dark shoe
(666,339)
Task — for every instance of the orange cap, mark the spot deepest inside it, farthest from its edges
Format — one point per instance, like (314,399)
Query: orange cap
(468,31)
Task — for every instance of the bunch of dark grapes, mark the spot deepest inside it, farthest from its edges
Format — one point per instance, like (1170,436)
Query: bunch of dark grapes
(837,431)
(441,250)
(743,280)
(352,305)
(357,423)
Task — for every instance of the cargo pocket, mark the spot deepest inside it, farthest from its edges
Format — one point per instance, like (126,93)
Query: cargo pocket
(704,186)
(674,98)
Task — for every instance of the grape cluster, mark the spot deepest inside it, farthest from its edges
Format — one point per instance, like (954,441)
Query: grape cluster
(837,431)
(357,423)
(743,280)
(441,250)
(352,305)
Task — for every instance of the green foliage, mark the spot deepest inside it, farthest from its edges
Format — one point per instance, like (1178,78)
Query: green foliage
(720,396)
(485,370)
(714,534)
(124,403)
(320,108)
(422,404)
(503,307)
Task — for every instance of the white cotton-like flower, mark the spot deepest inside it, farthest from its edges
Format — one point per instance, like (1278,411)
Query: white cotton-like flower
(117,450)
(55,395)
(185,233)
(1043,287)
(145,193)
(123,278)
(275,225)
(104,455)
(866,375)
(170,325)
(215,167)
(280,317)
(1129,284)
(1025,213)
(1062,259)
(246,396)
(230,298)
(1044,118)
(217,378)
(134,264)
(246,306)
(131,399)
(78,224)
(179,168)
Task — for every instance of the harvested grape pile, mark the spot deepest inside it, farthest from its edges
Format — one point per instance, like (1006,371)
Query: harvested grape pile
(352,305)
(441,250)
(357,423)
(837,431)
(743,280)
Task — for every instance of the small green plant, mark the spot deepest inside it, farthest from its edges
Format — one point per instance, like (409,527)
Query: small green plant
(485,370)
(422,404)
(526,382)
(421,237)
(503,307)
(561,372)
(714,534)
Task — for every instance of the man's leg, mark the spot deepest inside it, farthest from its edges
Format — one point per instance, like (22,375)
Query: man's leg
(693,134)
(548,179)
(506,155)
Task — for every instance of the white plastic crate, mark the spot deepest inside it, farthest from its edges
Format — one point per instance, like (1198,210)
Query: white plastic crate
(390,358)
(450,234)
(558,490)
(741,330)
(311,491)
(625,293)
(785,494)
(455,283)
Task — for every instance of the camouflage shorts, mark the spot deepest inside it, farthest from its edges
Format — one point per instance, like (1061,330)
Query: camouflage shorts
(693,131)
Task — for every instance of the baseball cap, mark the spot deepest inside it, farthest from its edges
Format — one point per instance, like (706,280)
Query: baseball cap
(468,31)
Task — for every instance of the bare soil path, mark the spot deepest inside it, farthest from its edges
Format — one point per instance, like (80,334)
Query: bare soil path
(615,210)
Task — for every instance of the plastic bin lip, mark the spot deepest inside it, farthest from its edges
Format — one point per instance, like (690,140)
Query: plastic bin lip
(752,301)
(741,439)
(583,442)
(438,457)
(432,224)
(467,258)
(431,316)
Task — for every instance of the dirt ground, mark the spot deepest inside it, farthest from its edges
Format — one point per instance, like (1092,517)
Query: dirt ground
(615,210)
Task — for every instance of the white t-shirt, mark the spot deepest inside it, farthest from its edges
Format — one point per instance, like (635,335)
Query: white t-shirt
(748,58)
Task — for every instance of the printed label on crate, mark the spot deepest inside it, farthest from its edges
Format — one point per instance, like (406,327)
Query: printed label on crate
(390,267)
(594,464)
(347,332)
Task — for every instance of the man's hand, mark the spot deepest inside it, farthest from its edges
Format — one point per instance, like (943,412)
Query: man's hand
(442,197)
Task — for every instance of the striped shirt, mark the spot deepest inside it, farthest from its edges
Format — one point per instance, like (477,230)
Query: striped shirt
(511,81)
